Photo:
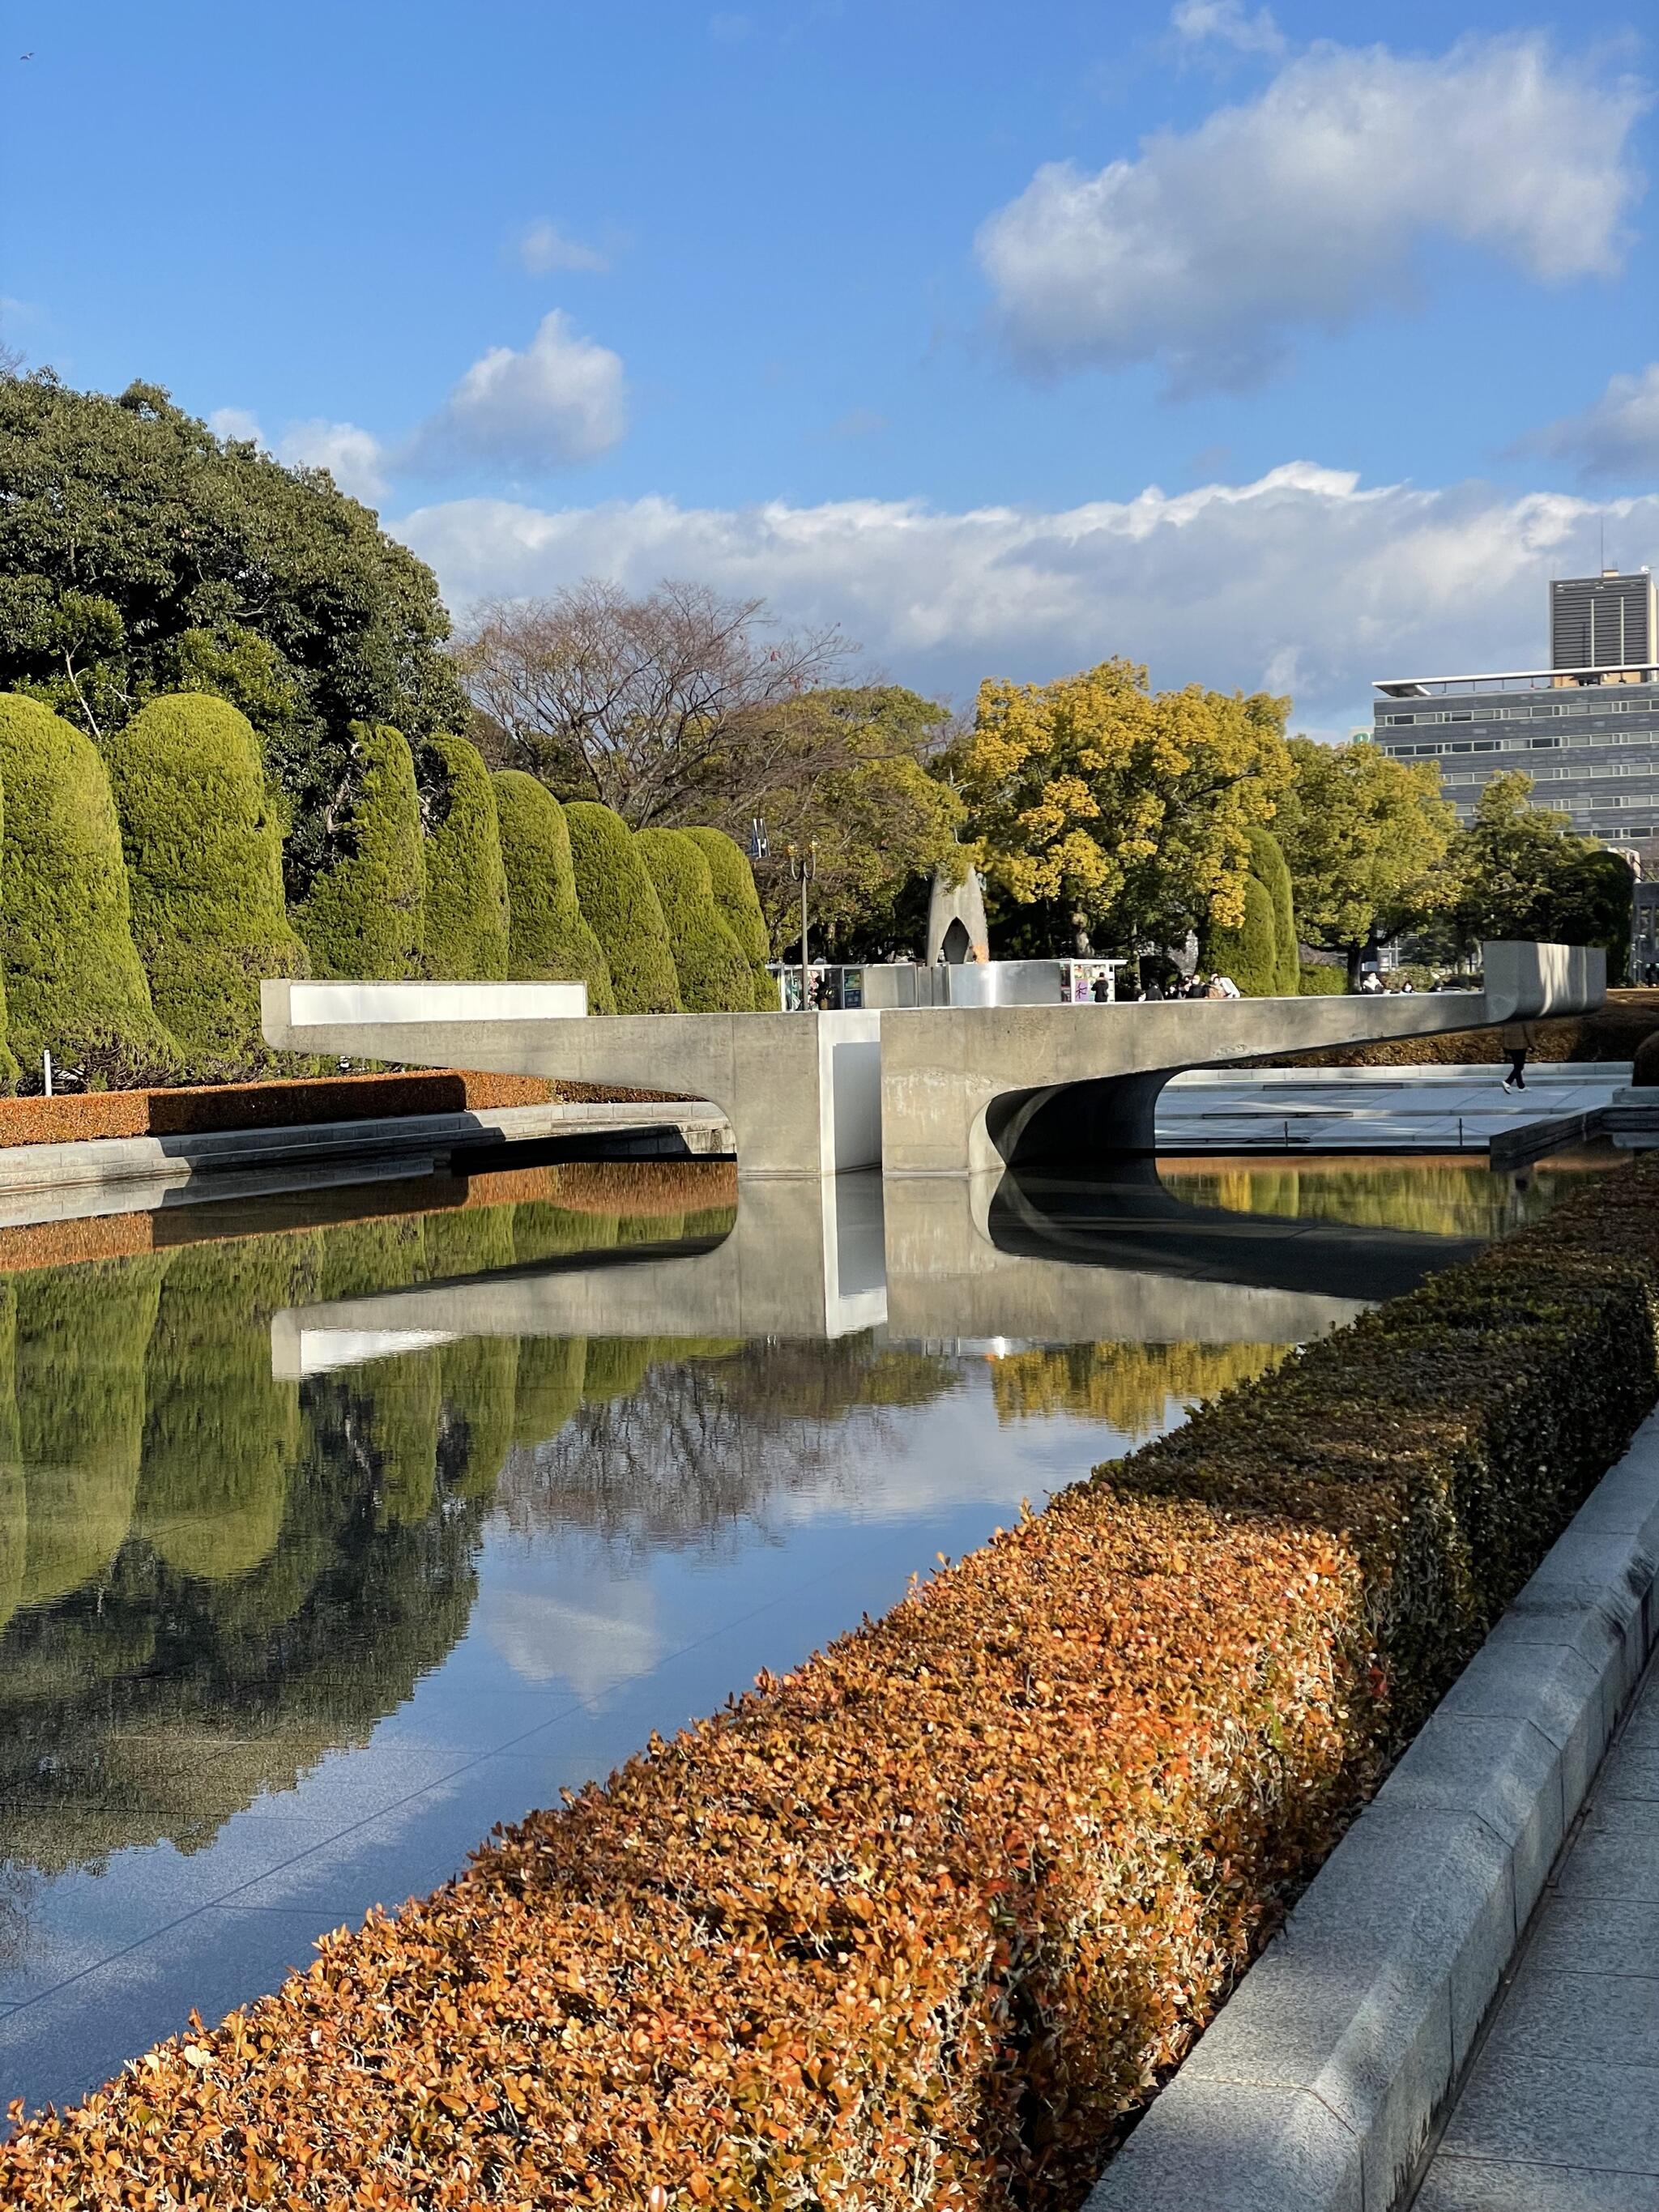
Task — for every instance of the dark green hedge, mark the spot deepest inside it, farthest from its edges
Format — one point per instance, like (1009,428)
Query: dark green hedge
(1267,864)
(205,862)
(1322,980)
(714,977)
(740,909)
(466,932)
(363,917)
(548,940)
(1249,953)
(74,982)
(620,903)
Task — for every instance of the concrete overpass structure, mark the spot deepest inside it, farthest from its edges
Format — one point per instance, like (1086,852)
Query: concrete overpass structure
(933,1090)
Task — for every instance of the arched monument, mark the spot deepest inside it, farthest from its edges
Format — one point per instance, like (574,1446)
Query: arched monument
(957,928)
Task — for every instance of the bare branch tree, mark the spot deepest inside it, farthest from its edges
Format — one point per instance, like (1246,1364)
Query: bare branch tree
(651,704)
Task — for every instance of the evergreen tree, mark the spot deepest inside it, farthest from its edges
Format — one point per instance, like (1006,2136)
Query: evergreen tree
(739,905)
(465,887)
(364,917)
(74,984)
(205,864)
(616,896)
(1269,867)
(714,977)
(548,939)
(1248,954)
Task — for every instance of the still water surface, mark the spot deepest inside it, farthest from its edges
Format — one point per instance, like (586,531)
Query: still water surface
(337,1527)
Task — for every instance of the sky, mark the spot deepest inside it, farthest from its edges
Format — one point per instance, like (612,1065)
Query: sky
(1282,348)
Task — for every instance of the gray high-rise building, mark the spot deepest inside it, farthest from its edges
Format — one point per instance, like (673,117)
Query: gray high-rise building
(1586,729)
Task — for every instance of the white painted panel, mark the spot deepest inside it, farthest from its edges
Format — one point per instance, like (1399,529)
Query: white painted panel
(313,1004)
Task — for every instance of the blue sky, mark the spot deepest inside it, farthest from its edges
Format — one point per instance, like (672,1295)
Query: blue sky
(1007,337)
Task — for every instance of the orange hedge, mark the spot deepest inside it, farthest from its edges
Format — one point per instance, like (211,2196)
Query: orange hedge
(279,1105)
(923,1922)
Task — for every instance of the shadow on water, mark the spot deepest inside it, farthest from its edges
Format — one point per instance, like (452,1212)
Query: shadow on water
(337,1524)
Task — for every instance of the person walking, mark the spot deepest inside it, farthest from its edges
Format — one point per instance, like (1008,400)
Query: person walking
(1516,1039)
(1154,990)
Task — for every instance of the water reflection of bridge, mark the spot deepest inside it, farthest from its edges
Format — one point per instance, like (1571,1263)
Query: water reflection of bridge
(1029,1260)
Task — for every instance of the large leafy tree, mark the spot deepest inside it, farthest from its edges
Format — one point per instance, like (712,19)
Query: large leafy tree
(1126,813)
(140,554)
(853,785)
(1364,836)
(1518,871)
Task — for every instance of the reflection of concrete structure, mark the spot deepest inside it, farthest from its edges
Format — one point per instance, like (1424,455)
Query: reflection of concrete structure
(934,1259)
(946,1091)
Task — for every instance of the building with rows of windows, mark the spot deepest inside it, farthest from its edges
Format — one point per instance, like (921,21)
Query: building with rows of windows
(1586,729)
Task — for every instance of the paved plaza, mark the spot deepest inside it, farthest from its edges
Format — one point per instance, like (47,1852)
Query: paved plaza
(1560,2111)
(1371,1110)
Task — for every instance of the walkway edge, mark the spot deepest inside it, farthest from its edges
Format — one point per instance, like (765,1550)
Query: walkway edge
(1317,2085)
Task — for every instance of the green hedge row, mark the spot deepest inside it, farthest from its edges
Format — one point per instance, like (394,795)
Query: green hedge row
(142,891)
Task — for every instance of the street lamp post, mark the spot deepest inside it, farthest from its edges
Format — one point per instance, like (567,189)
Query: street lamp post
(803,867)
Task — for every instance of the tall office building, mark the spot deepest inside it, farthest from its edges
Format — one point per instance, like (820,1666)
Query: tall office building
(1586,729)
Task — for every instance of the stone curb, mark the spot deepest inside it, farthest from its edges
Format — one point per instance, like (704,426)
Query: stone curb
(1315,2087)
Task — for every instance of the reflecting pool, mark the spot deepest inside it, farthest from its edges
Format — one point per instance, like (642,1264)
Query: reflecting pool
(339,1524)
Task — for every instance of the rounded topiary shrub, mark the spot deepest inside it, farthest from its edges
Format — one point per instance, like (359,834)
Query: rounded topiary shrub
(619,901)
(714,977)
(1247,953)
(1267,865)
(74,982)
(466,932)
(363,915)
(740,909)
(205,864)
(548,939)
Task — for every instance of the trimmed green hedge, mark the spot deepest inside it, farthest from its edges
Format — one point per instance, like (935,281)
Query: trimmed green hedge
(548,939)
(714,977)
(465,930)
(1267,864)
(9,1068)
(740,909)
(619,901)
(1249,953)
(205,862)
(74,982)
(363,915)
(1321,981)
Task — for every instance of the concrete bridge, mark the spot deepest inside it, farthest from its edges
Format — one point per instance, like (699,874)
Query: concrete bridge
(932,1258)
(933,1090)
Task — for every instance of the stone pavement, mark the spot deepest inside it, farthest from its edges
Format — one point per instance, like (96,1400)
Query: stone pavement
(1560,2111)
(1368,1109)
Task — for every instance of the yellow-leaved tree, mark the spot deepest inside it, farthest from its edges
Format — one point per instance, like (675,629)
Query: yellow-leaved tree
(1125,813)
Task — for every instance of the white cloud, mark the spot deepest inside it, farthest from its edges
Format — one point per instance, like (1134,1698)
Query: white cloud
(1225,23)
(561,399)
(1299,208)
(235,422)
(1618,436)
(355,458)
(545,247)
(1304,574)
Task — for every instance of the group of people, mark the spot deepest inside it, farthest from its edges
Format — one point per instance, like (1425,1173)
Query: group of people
(1371,983)
(1196,985)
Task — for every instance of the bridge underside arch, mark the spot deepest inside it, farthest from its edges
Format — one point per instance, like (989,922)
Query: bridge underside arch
(1069,1124)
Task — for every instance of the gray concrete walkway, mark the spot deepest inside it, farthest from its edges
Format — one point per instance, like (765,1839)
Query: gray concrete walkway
(1560,2111)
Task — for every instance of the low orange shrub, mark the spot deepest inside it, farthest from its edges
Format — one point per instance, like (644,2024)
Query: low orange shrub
(290,1104)
(923,1922)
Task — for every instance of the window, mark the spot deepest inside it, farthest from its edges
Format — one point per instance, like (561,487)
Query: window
(1538,713)
(1397,720)
(1537,745)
